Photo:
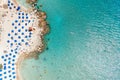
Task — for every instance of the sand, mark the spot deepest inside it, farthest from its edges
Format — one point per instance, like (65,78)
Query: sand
(35,25)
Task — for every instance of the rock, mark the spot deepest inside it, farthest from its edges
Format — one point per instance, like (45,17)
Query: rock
(31,1)
(43,23)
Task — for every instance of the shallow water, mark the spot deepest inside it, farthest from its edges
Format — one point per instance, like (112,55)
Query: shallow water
(23,3)
(84,42)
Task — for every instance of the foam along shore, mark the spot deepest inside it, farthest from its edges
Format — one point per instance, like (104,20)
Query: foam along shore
(21,36)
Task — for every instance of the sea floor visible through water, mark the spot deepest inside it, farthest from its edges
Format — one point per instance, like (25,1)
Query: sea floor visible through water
(83,43)
(23,3)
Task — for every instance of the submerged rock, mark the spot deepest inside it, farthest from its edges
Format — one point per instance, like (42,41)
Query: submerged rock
(31,1)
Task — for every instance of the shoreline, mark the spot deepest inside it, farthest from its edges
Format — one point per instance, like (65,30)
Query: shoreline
(34,54)
(36,29)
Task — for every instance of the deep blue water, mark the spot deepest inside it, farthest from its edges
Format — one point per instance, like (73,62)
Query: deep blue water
(84,42)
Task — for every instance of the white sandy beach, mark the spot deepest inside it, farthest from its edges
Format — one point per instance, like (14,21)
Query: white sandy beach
(19,36)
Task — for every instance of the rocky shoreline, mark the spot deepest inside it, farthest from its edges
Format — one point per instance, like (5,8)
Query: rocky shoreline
(44,26)
(22,32)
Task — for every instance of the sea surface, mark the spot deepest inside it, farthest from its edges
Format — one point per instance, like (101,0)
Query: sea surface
(83,43)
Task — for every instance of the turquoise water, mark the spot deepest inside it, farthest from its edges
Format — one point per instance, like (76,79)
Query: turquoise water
(84,42)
